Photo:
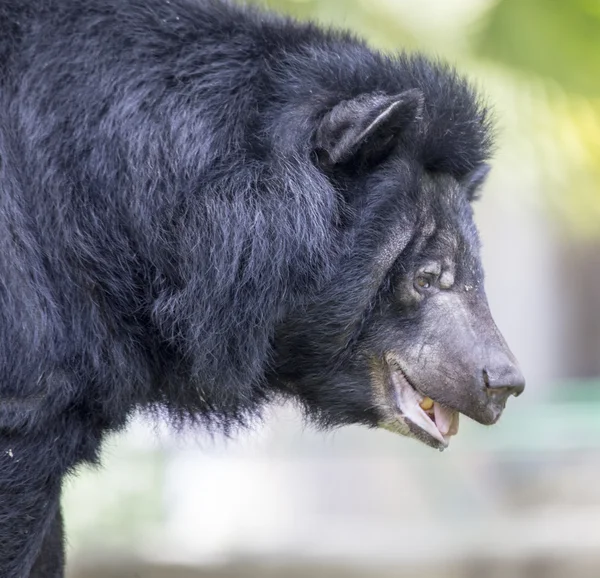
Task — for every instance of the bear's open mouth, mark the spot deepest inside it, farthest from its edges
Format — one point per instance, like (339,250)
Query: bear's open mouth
(432,418)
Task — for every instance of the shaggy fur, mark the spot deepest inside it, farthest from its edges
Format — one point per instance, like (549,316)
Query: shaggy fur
(164,214)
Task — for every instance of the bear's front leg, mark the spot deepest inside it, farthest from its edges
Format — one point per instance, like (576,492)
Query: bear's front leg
(29,500)
(35,455)
(50,562)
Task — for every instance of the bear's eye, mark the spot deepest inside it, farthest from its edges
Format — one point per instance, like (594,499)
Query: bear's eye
(424,281)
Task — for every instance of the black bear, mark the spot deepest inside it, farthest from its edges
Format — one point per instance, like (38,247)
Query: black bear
(204,208)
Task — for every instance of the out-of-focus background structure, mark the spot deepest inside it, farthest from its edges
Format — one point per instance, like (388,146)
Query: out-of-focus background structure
(521,499)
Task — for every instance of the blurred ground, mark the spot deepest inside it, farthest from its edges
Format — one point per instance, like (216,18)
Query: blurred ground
(519,499)
(530,568)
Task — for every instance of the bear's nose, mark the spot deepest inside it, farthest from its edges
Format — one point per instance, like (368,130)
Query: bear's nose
(502,381)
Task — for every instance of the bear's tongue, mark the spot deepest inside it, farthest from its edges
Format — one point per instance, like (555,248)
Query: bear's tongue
(444,418)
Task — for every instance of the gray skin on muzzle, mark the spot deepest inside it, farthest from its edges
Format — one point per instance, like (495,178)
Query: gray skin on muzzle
(463,361)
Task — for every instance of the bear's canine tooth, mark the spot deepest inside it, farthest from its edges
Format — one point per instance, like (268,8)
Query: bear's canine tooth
(426,404)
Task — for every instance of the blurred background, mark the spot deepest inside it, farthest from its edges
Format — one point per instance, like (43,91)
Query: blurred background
(521,499)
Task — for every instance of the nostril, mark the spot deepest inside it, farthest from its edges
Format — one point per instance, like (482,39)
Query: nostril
(486,378)
(508,382)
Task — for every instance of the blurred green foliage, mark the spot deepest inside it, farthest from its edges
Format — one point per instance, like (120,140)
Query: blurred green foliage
(351,14)
(538,61)
(559,39)
(556,44)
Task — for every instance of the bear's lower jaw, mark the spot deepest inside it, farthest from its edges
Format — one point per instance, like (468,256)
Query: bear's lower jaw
(415,415)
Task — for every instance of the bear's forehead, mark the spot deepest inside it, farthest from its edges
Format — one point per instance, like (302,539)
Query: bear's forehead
(446,227)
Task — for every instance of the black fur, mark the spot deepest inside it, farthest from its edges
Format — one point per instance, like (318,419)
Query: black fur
(165,212)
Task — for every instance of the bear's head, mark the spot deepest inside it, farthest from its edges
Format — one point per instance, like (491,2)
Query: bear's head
(402,336)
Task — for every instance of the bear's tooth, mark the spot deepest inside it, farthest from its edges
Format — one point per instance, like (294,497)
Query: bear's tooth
(426,404)
(454,425)
(443,418)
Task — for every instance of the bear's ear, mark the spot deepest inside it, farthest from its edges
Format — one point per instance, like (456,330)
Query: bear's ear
(366,124)
(473,181)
